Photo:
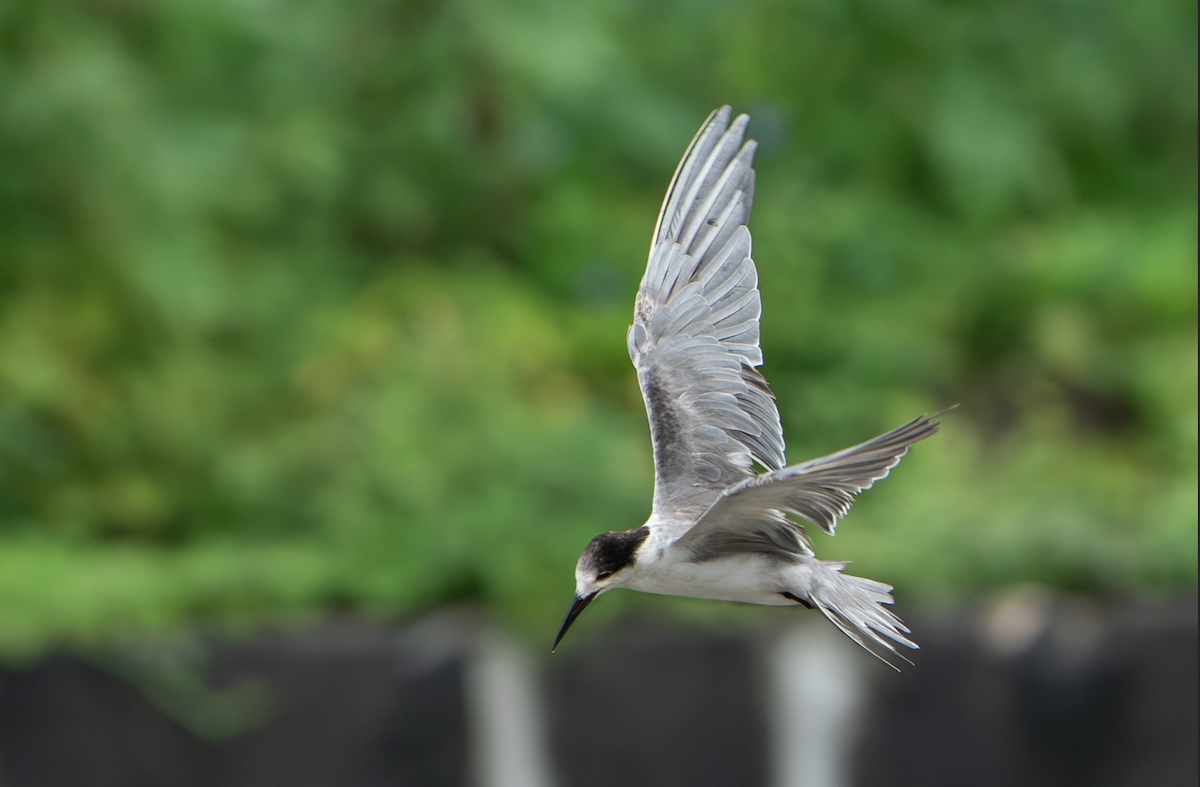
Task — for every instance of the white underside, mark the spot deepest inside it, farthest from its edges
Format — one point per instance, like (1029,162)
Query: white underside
(749,577)
(856,605)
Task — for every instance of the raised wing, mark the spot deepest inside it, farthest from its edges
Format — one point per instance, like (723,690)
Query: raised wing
(752,516)
(694,340)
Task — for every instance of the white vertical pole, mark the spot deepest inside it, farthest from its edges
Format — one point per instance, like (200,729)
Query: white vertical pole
(816,703)
(507,726)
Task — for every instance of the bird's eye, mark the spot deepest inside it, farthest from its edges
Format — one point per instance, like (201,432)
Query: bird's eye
(604,575)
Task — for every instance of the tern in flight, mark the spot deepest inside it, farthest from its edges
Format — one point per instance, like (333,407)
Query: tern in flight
(719,528)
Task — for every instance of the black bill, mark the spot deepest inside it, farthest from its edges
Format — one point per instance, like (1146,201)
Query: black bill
(578,605)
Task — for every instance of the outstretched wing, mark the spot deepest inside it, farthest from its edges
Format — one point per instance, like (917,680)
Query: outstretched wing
(752,516)
(694,340)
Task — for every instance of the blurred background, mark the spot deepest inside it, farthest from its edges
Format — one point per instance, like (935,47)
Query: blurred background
(312,339)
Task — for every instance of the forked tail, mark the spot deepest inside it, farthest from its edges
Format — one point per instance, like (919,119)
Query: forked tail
(858,607)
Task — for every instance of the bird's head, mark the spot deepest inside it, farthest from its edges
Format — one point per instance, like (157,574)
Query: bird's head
(604,565)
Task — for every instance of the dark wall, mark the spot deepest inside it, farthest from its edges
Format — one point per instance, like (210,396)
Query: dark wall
(1085,700)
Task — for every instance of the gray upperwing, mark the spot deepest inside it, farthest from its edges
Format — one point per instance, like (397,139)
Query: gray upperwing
(694,340)
(751,517)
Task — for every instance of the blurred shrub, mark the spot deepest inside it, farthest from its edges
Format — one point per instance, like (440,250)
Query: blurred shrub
(323,304)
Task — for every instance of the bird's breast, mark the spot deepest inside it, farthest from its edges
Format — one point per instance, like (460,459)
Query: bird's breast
(752,578)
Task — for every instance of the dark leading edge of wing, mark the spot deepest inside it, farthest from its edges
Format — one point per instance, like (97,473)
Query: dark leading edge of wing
(694,341)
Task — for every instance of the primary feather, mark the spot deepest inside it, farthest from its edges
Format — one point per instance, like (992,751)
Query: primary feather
(751,515)
(694,340)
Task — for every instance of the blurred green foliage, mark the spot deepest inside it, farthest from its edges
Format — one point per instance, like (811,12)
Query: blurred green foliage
(322,304)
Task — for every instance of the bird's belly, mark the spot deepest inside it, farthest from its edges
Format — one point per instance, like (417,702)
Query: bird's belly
(750,578)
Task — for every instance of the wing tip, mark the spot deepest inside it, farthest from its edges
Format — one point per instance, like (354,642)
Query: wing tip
(940,413)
